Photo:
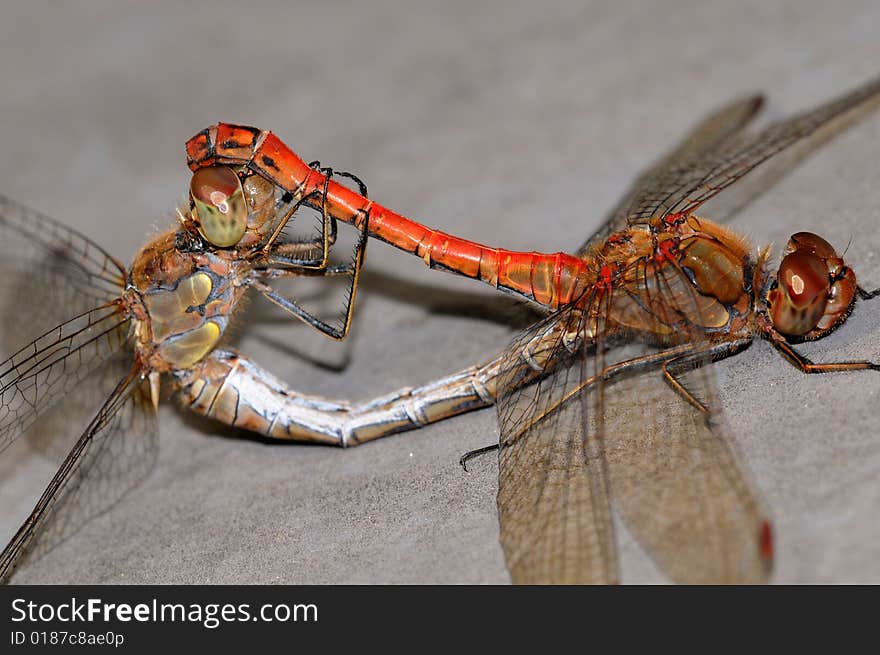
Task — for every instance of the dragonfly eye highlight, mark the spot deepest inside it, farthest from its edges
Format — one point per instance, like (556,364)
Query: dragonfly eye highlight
(219,206)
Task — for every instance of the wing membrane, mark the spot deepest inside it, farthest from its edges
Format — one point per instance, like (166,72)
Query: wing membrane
(48,274)
(552,499)
(613,427)
(716,128)
(61,285)
(55,259)
(715,155)
(685,185)
(43,372)
(113,454)
(677,484)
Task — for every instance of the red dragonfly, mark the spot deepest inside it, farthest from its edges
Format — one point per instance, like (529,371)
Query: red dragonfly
(655,289)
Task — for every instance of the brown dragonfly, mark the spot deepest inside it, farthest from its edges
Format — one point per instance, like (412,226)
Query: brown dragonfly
(648,281)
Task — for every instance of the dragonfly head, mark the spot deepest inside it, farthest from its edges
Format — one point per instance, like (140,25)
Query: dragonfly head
(813,290)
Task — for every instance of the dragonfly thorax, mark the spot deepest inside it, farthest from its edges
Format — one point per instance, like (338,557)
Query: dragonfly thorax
(693,273)
(181,301)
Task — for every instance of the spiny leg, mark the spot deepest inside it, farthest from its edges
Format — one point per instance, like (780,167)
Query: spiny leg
(297,254)
(804,365)
(867,295)
(356,265)
(336,270)
(352,269)
(673,368)
(281,254)
(476,452)
(285,254)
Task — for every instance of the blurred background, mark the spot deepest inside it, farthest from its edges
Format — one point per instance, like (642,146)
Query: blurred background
(517,125)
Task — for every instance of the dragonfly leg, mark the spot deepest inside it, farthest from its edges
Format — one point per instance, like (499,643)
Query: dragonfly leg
(671,369)
(806,366)
(295,309)
(269,247)
(476,452)
(329,218)
(294,254)
(329,227)
(362,188)
(674,367)
(352,269)
(328,223)
(867,295)
(331,271)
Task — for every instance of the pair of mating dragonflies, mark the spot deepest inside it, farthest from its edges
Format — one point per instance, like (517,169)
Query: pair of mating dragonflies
(605,401)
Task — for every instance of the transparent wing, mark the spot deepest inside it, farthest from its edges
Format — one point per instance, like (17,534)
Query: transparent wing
(62,286)
(716,128)
(714,156)
(678,486)
(114,453)
(69,272)
(613,426)
(685,185)
(552,499)
(37,376)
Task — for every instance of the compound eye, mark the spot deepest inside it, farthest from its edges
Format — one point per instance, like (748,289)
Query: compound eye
(797,305)
(807,242)
(220,208)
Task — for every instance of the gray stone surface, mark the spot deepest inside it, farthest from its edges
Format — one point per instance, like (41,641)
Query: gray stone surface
(513,125)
